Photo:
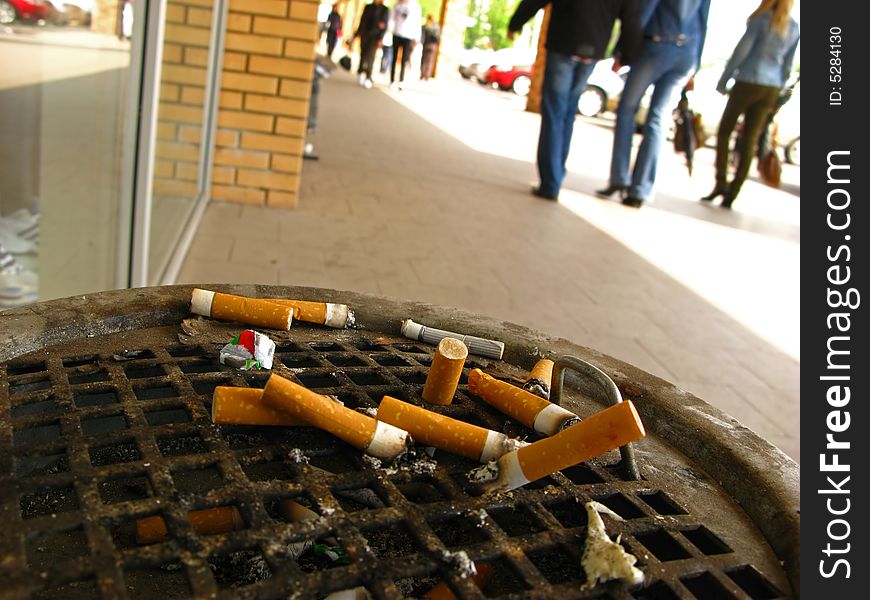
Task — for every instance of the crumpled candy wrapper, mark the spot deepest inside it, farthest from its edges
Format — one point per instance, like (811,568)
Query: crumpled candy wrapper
(248,351)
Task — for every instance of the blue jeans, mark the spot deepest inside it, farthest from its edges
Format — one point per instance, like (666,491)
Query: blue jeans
(564,81)
(665,66)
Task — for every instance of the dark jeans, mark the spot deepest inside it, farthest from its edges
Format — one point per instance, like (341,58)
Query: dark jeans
(331,41)
(403,44)
(428,61)
(564,81)
(367,48)
(754,102)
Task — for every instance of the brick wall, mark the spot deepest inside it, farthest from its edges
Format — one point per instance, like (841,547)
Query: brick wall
(265,89)
(104,16)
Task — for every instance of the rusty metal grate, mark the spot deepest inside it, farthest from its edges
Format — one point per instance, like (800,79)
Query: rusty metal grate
(97,434)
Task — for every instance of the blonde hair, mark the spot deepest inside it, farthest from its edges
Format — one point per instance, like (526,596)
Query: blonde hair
(780,9)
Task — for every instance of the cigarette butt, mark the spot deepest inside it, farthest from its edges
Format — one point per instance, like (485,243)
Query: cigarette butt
(295,512)
(357,593)
(430,335)
(209,521)
(606,430)
(376,438)
(540,378)
(338,316)
(442,432)
(445,371)
(443,592)
(521,405)
(253,311)
(244,406)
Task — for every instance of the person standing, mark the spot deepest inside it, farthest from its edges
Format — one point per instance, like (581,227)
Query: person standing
(674,35)
(430,38)
(371,29)
(406,26)
(760,66)
(577,38)
(333,32)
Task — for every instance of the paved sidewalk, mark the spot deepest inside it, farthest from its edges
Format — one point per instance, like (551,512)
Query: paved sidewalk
(423,194)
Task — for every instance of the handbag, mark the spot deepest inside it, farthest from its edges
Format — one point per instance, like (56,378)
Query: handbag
(769,165)
(344,62)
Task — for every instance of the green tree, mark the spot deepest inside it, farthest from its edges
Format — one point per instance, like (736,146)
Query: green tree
(431,7)
(491,20)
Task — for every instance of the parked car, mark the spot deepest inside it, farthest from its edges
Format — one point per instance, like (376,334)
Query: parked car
(603,85)
(26,10)
(474,62)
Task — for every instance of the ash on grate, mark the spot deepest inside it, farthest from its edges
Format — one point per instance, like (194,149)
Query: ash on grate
(239,568)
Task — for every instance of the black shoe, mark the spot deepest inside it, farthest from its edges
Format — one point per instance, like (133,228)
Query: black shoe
(632,201)
(713,195)
(727,200)
(612,189)
(537,192)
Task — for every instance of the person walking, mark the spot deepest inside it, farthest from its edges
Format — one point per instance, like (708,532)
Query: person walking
(370,31)
(430,38)
(674,32)
(333,31)
(760,66)
(577,38)
(406,27)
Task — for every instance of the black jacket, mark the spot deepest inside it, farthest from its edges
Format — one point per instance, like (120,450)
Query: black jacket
(373,15)
(583,27)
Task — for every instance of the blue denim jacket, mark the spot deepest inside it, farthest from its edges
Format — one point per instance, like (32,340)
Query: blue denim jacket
(762,56)
(667,19)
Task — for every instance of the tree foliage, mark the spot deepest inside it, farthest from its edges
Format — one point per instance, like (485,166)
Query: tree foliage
(490,26)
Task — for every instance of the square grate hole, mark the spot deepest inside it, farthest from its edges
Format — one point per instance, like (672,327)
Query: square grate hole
(569,513)
(367,378)
(269,471)
(154,392)
(418,587)
(199,481)
(205,387)
(657,591)
(38,407)
(28,466)
(346,360)
(515,520)
(706,587)
(503,580)
(102,425)
(164,416)
(123,489)
(582,475)
(558,565)
(367,345)
(377,396)
(389,360)
(753,583)
(358,499)
(48,548)
(394,541)
(706,541)
(257,380)
(181,445)
(166,581)
(25,369)
(317,380)
(662,545)
(95,398)
(38,434)
(333,462)
(23,387)
(181,351)
(421,492)
(96,376)
(121,452)
(48,501)
(78,361)
(325,347)
(459,531)
(239,569)
(144,371)
(242,437)
(663,504)
(133,355)
(73,590)
(622,506)
(411,349)
(413,377)
(200,366)
(298,360)
(325,554)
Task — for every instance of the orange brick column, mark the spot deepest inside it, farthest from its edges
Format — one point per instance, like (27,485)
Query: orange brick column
(533,101)
(265,90)
(454,14)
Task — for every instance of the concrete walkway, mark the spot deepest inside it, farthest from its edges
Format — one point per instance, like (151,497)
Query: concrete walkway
(423,194)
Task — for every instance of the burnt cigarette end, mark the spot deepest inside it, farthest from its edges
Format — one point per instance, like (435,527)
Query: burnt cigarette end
(538,388)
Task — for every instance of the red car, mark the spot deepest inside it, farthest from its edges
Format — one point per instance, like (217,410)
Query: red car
(517,79)
(25,10)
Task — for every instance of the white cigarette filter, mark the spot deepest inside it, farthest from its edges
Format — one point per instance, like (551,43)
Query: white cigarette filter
(338,316)
(606,430)
(445,371)
(523,406)
(376,438)
(252,311)
(540,378)
(440,431)
(479,346)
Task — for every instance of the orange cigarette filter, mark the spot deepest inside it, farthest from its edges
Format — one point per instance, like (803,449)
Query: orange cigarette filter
(445,371)
(443,592)
(604,431)
(442,432)
(322,313)
(252,311)
(245,406)
(360,431)
(209,521)
(519,404)
(540,378)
